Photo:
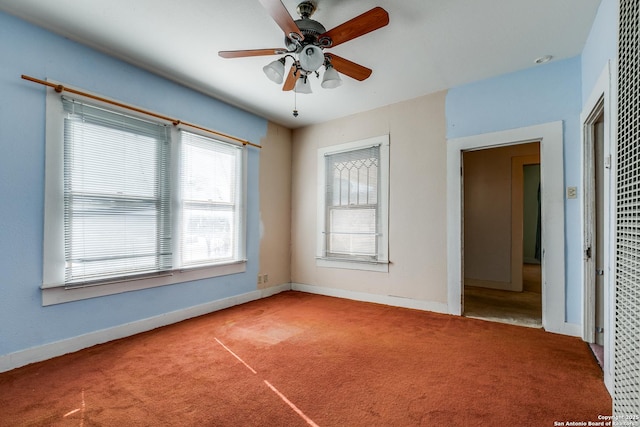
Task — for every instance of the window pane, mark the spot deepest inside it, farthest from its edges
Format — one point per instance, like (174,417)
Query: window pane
(108,242)
(108,161)
(115,195)
(354,177)
(353,232)
(211,217)
(208,174)
(207,235)
(352,196)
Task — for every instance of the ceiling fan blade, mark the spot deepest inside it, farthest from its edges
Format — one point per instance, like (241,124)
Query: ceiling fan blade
(251,52)
(290,82)
(280,14)
(349,68)
(358,26)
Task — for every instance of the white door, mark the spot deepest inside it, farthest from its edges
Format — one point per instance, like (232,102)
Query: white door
(594,231)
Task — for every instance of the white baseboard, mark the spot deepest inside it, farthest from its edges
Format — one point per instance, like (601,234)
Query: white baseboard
(58,348)
(391,300)
(570,329)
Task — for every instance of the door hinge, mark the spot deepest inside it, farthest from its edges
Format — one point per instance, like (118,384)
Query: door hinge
(599,272)
(587,253)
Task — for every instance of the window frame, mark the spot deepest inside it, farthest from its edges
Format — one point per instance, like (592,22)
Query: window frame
(238,211)
(101,193)
(381,264)
(54,289)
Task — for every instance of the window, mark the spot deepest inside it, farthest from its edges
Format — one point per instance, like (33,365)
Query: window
(210,192)
(116,194)
(353,205)
(135,203)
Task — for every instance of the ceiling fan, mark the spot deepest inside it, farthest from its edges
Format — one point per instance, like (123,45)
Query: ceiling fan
(305,41)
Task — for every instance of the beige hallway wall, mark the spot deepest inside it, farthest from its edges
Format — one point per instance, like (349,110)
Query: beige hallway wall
(417,214)
(275,207)
(489,237)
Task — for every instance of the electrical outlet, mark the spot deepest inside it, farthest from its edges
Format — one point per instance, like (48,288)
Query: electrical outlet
(259,279)
(572,192)
(265,278)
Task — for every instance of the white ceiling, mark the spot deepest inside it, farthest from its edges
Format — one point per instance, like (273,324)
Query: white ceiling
(428,46)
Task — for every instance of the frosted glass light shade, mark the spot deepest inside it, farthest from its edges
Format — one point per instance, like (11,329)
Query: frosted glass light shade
(311,58)
(275,71)
(331,79)
(302,85)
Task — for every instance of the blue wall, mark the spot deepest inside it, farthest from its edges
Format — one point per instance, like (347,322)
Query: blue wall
(542,94)
(552,92)
(601,45)
(26,49)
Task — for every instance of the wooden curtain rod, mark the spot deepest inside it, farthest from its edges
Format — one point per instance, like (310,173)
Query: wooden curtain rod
(59,88)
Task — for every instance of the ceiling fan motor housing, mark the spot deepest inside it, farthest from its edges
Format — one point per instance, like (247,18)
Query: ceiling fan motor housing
(310,29)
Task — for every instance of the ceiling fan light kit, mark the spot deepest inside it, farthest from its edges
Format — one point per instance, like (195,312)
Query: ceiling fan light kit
(305,41)
(302,85)
(311,58)
(275,70)
(331,78)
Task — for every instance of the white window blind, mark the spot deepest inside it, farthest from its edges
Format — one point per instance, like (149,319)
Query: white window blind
(352,217)
(133,202)
(353,205)
(116,194)
(210,200)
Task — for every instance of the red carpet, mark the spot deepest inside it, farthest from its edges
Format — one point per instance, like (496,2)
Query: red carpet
(297,359)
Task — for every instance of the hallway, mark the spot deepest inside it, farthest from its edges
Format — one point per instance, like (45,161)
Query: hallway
(517,308)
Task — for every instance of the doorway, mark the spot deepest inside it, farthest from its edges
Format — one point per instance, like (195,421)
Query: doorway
(551,139)
(594,220)
(598,119)
(502,234)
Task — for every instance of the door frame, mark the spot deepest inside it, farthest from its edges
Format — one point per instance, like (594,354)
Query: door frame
(604,91)
(551,140)
(517,216)
(589,240)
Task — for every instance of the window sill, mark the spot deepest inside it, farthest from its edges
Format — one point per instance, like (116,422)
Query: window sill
(349,264)
(61,294)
